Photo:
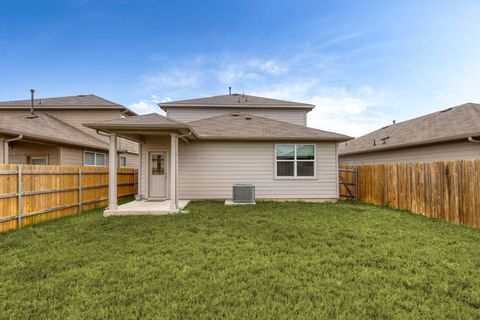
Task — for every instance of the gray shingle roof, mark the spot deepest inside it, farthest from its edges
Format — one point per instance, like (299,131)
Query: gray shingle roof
(451,124)
(232,126)
(236,100)
(151,120)
(69,102)
(242,126)
(48,128)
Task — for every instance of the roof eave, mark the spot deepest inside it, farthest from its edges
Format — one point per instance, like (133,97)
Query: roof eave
(165,106)
(411,144)
(239,138)
(53,141)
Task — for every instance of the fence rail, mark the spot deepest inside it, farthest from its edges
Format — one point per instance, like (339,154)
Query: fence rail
(32,193)
(447,190)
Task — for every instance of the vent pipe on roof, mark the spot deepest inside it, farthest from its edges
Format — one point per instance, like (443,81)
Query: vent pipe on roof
(394,121)
(32,108)
(230,91)
(374,142)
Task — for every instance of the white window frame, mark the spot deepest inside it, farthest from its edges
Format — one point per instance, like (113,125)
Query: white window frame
(95,157)
(295,177)
(120,161)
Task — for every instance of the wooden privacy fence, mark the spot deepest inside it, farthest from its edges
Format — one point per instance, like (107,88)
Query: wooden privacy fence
(33,193)
(448,190)
(347,179)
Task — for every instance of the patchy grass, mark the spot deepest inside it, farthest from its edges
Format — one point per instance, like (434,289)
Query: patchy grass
(272,260)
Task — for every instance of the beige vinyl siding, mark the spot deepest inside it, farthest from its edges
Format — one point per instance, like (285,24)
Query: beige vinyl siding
(71,156)
(208,170)
(295,116)
(462,150)
(132,160)
(19,150)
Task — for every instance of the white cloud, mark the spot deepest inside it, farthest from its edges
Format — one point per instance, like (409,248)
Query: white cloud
(149,105)
(337,109)
(304,77)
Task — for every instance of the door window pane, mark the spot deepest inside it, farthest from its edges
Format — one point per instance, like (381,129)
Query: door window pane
(285,152)
(305,168)
(285,168)
(305,152)
(158,165)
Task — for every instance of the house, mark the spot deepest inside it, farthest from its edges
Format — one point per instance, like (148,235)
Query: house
(450,134)
(202,147)
(55,134)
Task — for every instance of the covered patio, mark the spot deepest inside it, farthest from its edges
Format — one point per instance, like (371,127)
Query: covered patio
(158,139)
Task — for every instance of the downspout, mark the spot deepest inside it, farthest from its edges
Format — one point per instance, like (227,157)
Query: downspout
(471,139)
(5,145)
(185,135)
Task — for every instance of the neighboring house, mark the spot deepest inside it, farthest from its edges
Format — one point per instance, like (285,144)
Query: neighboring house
(205,146)
(450,134)
(57,136)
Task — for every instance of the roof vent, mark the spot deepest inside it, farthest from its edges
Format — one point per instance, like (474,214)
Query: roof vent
(394,121)
(384,139)
(235,114)
(446,110)
(248,118)
(374,142)
(229,90)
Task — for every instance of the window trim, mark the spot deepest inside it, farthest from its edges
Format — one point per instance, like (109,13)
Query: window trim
(295,177)
(95,157)
(29,157)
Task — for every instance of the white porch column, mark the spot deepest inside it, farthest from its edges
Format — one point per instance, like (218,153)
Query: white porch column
(140,171)
(3,151)
(173,171)
(112,173)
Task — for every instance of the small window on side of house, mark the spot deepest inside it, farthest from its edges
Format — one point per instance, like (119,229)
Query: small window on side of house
(94,159)
(122,161)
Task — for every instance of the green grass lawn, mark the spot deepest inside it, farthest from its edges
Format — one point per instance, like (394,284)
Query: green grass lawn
(272,260)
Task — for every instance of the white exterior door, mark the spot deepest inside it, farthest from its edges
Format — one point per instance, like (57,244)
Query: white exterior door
(157,180)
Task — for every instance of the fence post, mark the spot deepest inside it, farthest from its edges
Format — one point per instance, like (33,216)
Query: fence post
(79,190)
(19,209)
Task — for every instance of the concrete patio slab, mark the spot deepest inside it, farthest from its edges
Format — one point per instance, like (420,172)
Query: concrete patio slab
(145,207)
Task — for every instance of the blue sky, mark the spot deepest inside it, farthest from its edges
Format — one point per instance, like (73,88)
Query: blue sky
(363,63)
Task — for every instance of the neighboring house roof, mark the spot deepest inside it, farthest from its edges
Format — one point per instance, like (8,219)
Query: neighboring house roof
(47,128)
(234,126)
(88,101)
(236,100)
(450,124)
(242,126)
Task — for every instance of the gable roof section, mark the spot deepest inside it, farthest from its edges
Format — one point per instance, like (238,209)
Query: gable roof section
(151,120)
(50,129)
(236,100)
(88,101)
(234,126)
(447,125)
(242,126)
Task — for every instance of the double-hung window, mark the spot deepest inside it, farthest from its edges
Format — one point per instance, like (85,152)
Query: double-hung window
(94,159)
(295,160)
